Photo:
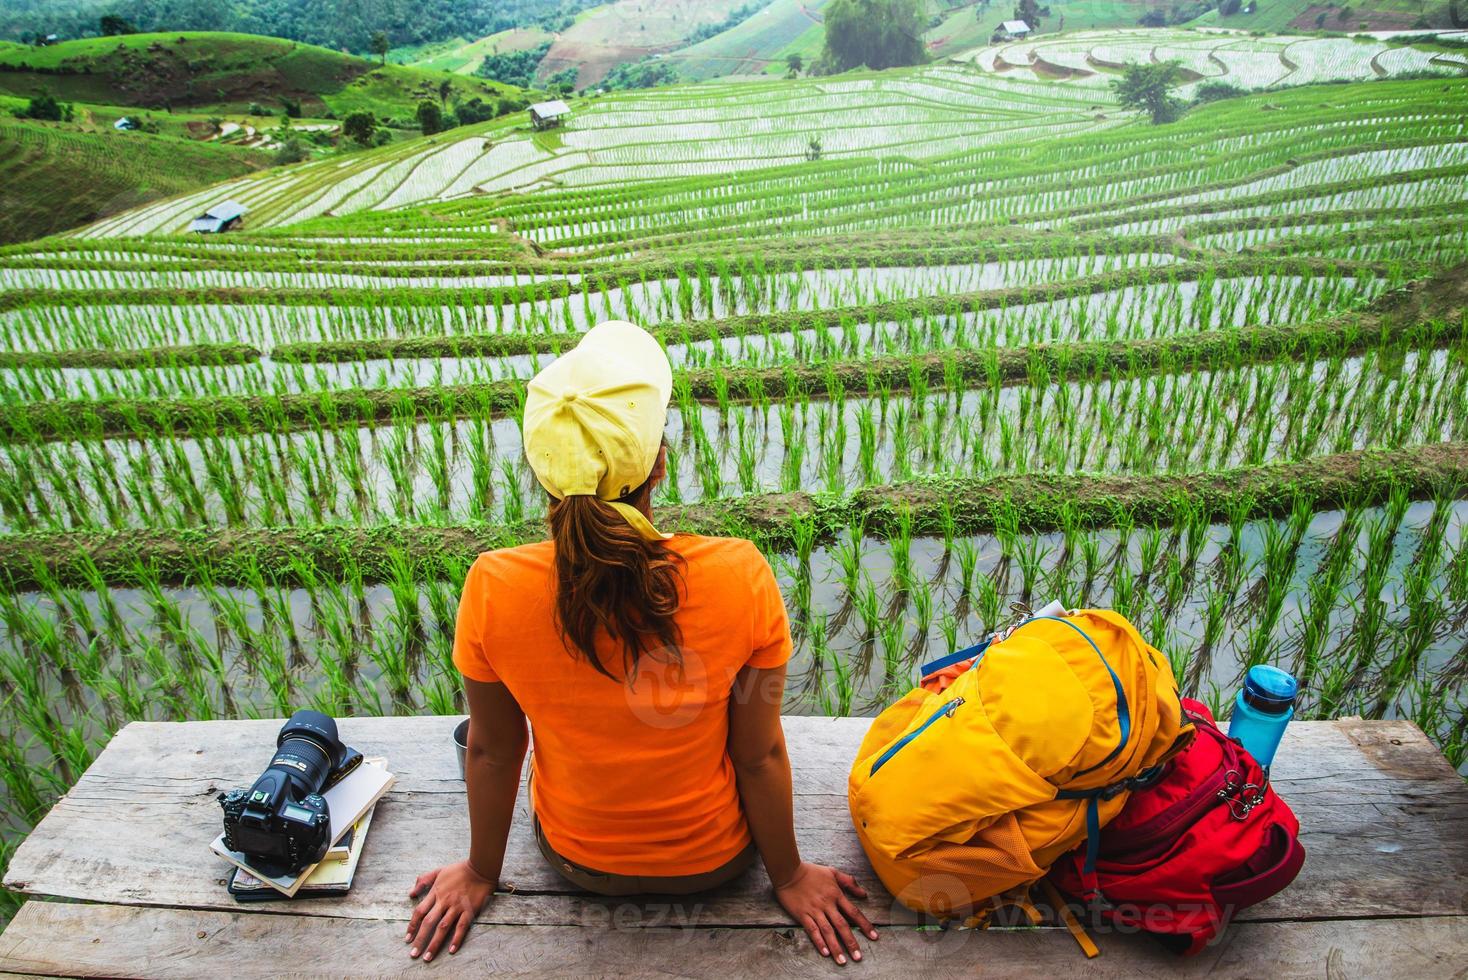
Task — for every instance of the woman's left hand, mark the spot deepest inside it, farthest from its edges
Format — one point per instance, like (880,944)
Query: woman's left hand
(455,894)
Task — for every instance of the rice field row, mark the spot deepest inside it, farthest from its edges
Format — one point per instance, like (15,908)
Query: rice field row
(1367,604)
(473,469)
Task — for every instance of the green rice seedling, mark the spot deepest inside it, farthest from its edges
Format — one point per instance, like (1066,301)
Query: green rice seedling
(1030,556)
(948,626)
(1426,614)
(511,495)
(748,454)
(1215,619)
(833,452)
(1090,547)
(867,443)
(988,598)
(900,546)
(966,550)
(868,607)
(948,525)
(671,491)
(922,605)
(895,677)
(1273,587)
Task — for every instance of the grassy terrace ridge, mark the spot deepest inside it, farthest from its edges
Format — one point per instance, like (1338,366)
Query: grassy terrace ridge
(962,245)
(310,296)
(428,296)
(1425,315)
(928,506)
(184,355)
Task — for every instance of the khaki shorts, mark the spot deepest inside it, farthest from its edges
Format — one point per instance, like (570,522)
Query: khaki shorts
(606,883)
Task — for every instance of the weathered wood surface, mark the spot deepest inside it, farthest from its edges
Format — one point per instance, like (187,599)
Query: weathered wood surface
(184,944)
(1384,818)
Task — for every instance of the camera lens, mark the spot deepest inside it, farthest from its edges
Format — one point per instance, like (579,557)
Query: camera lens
(306,746)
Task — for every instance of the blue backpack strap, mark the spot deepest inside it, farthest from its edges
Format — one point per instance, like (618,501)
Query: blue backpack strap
(1093,799)
(957,657)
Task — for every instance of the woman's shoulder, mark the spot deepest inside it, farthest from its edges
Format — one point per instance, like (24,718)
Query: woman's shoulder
(510,563)
(737,552)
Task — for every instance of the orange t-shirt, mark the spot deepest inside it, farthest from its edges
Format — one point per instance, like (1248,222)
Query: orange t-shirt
(629,779)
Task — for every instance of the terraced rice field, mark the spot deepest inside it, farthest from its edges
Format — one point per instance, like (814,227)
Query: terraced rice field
(1092,58)
(1214,375)
(981,104)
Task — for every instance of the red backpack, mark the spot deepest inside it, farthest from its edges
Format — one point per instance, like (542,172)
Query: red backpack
(1207,837)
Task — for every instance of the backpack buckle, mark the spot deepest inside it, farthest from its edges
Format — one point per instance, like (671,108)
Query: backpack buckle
(1241,797)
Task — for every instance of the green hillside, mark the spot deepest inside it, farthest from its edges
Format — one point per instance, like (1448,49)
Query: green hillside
(226,72)
(334,24)
(463,57)
(758,44)
(54,177)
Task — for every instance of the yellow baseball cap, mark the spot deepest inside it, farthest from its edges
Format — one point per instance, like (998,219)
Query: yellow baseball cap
(594,418)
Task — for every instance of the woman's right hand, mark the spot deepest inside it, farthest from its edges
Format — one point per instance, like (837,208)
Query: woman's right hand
(817,897)
(455,894)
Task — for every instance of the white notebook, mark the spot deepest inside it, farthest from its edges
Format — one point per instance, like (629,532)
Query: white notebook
(347,801)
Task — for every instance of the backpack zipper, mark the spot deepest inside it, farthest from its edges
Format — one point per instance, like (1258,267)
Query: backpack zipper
(1149,839)
(946,711)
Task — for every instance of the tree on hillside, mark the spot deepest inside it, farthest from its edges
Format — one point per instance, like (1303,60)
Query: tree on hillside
(873,33)
(1149,88)
(1029,12)
(111,25)
(360,127)
(794,64)
(640,74)
(563,82)
(292,150)
(445,89)
(474,111)
(379,45)
(513,67)
(44,106)
(430,117)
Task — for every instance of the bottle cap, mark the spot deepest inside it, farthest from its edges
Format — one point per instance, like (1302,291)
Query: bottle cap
(1269,689)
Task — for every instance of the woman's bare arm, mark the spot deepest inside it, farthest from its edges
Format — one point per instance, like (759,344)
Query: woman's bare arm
(815,895)
(497,742)
(496,752)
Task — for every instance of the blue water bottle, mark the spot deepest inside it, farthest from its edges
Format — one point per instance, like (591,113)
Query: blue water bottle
(1262,710)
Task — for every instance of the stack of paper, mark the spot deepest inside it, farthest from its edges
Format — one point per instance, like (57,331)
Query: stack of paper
(350,803)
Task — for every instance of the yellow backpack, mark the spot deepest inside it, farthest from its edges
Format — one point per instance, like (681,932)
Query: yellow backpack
(1008,755)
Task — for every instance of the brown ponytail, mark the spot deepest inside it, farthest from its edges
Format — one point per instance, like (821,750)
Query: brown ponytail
(609,578)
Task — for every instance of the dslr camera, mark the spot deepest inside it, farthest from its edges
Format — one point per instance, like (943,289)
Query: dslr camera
(282,823)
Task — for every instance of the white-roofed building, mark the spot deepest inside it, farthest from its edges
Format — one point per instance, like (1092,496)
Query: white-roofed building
(221,217)
(1012,30)
(543,115)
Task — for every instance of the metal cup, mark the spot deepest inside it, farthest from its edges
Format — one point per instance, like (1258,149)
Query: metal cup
(461,743)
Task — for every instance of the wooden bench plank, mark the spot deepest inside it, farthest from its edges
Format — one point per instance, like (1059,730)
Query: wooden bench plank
(118,941)
(1385,822)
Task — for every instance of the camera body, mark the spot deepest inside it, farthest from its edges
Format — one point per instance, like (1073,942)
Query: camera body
(282,823)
